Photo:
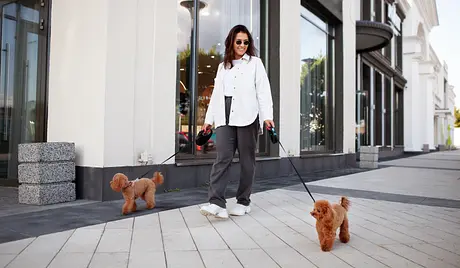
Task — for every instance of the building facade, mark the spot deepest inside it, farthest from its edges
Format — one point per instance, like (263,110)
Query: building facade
(381,83)
(129,83)
(428,107)
(443,105)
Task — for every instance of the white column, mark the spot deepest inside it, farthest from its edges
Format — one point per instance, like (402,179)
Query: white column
(77,77)
(289,123)
(120,85)
(429,108)
(444,130)
(412,98)
(437,131)
(112,79)
(349,74)
(162,132)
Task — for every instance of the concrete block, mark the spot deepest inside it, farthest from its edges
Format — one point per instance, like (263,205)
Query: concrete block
(369,157)
(46,172)
(46,152)
(46,194)
(369,149)
(368,164)
(426,148)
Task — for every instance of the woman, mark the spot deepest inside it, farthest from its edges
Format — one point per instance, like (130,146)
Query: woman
(240,104)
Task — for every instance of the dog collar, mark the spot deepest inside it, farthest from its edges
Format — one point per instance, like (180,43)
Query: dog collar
(130,183)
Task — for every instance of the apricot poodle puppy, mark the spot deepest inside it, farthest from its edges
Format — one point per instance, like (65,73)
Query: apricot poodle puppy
(328,219)
(144,188)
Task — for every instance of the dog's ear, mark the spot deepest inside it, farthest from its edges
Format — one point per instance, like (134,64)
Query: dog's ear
(118,182)
(115,183)
(324,209)
(123,181)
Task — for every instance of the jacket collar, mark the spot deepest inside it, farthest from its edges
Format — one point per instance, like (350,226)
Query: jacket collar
(246,57)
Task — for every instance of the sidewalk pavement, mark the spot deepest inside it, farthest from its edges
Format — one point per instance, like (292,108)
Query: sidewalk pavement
(406,214)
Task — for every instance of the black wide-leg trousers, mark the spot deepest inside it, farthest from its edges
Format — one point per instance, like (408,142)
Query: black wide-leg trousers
(228,139)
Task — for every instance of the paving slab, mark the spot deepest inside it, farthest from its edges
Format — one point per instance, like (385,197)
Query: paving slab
(448,160)
(19,222)
(9,203)
(405,177)
(279,232)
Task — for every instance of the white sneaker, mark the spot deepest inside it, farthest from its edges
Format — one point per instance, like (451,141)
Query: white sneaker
(240,210)
(214,210)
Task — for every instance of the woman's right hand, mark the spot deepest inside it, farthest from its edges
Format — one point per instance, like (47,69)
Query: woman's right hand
(206,127)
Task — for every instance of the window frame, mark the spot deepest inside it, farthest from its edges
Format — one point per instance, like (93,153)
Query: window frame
(333,126)
(267,22)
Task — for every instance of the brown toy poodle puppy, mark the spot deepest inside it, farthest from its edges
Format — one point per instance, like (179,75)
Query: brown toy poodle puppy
(328,219)
(144,188)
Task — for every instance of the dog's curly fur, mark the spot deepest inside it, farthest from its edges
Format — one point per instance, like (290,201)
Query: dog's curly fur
(328,219)
(144,188)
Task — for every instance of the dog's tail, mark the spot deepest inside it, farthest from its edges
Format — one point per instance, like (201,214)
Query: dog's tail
(158,178)
(345,203)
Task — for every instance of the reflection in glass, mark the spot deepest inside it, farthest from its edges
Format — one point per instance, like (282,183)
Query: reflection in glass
(183,86)
(216,19)
(378,111)
(363,101)
(313,85)
(398,116)
(396,22)
(387,114)
(18,80)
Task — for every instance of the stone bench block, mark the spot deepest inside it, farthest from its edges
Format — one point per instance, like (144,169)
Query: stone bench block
(426,148)
(368,164)
(369,149)
(369,157)
(46,152)
(46,194)
(37,173)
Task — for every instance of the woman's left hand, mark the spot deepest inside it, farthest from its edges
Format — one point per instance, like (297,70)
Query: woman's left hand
(269,123)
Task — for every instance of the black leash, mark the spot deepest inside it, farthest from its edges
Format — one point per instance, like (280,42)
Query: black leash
(148,171)
(201,139)
(274,139)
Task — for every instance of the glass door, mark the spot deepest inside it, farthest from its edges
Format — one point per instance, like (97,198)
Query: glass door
(21,89)
(363,105)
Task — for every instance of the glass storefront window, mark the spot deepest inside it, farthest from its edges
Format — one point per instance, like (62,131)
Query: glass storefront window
(398,116)
(378,111)
(183,86)
(366,9)
(216,18)
(387,114)
(396,22)
(386,20)
(316,84)
(22,91)
(394,19)
(378,10)
(363,112)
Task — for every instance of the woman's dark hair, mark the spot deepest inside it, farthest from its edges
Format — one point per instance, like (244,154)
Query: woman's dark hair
(230,40)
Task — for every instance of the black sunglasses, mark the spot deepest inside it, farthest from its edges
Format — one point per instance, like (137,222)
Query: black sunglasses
(246,42)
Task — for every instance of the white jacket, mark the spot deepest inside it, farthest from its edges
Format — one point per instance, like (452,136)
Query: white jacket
(252,95)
